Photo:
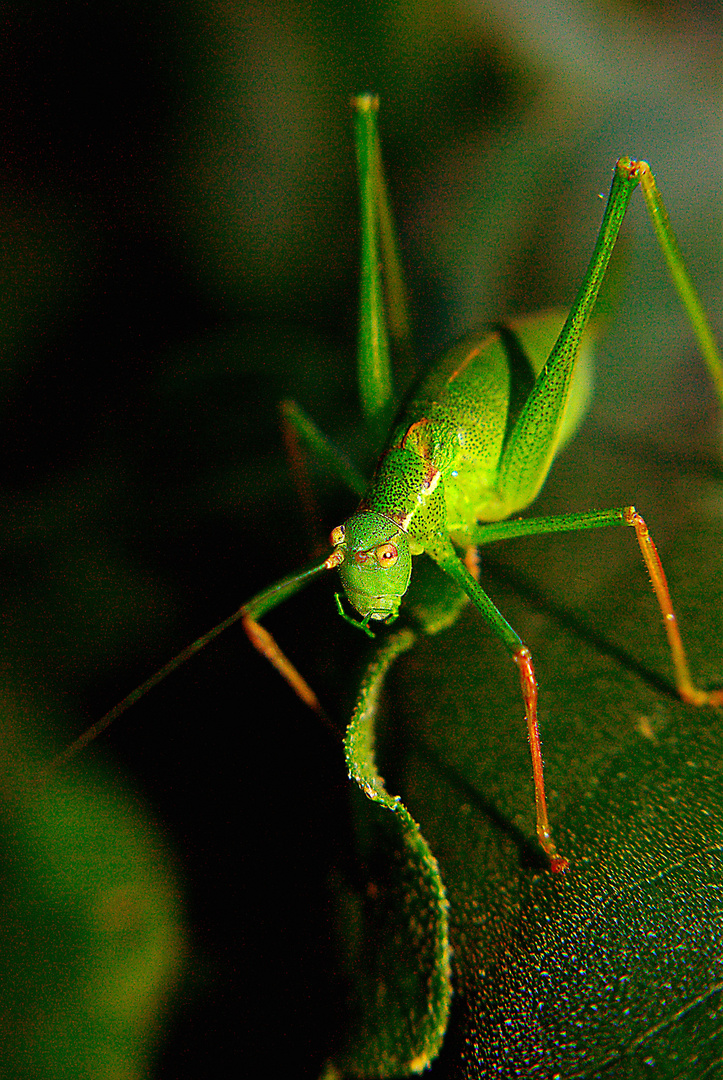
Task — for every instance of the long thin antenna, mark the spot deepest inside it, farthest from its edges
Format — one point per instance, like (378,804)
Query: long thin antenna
(105,721)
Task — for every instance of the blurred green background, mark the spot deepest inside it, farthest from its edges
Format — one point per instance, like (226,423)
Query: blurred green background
(179,223)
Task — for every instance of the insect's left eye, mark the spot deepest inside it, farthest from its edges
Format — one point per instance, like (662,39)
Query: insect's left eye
(386,555)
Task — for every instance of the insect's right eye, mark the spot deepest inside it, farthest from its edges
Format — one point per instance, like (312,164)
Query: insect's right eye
(337,536)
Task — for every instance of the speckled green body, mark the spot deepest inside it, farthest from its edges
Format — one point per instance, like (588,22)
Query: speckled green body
(443,468)
(475,442)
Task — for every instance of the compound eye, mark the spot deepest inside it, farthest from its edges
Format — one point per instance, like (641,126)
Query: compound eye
(337,536)
(386,555)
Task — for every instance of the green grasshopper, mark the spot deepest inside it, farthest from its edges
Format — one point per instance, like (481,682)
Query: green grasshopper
(469,449)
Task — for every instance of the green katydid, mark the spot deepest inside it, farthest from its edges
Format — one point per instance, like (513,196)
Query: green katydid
(471,447)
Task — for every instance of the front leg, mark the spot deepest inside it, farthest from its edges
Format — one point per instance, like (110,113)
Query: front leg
(446,557)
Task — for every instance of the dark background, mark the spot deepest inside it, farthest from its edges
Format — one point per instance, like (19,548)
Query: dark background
(180,251)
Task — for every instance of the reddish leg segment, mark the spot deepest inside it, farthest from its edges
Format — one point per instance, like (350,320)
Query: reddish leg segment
(685,686)
(523,659)
(446,557)
(599,519)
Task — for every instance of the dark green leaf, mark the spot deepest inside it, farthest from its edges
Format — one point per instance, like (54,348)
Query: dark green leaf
(615,967)
(401,960)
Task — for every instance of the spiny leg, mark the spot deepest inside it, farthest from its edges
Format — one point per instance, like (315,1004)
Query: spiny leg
(683,681)
(447,559)
(528,683)
(596,519)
